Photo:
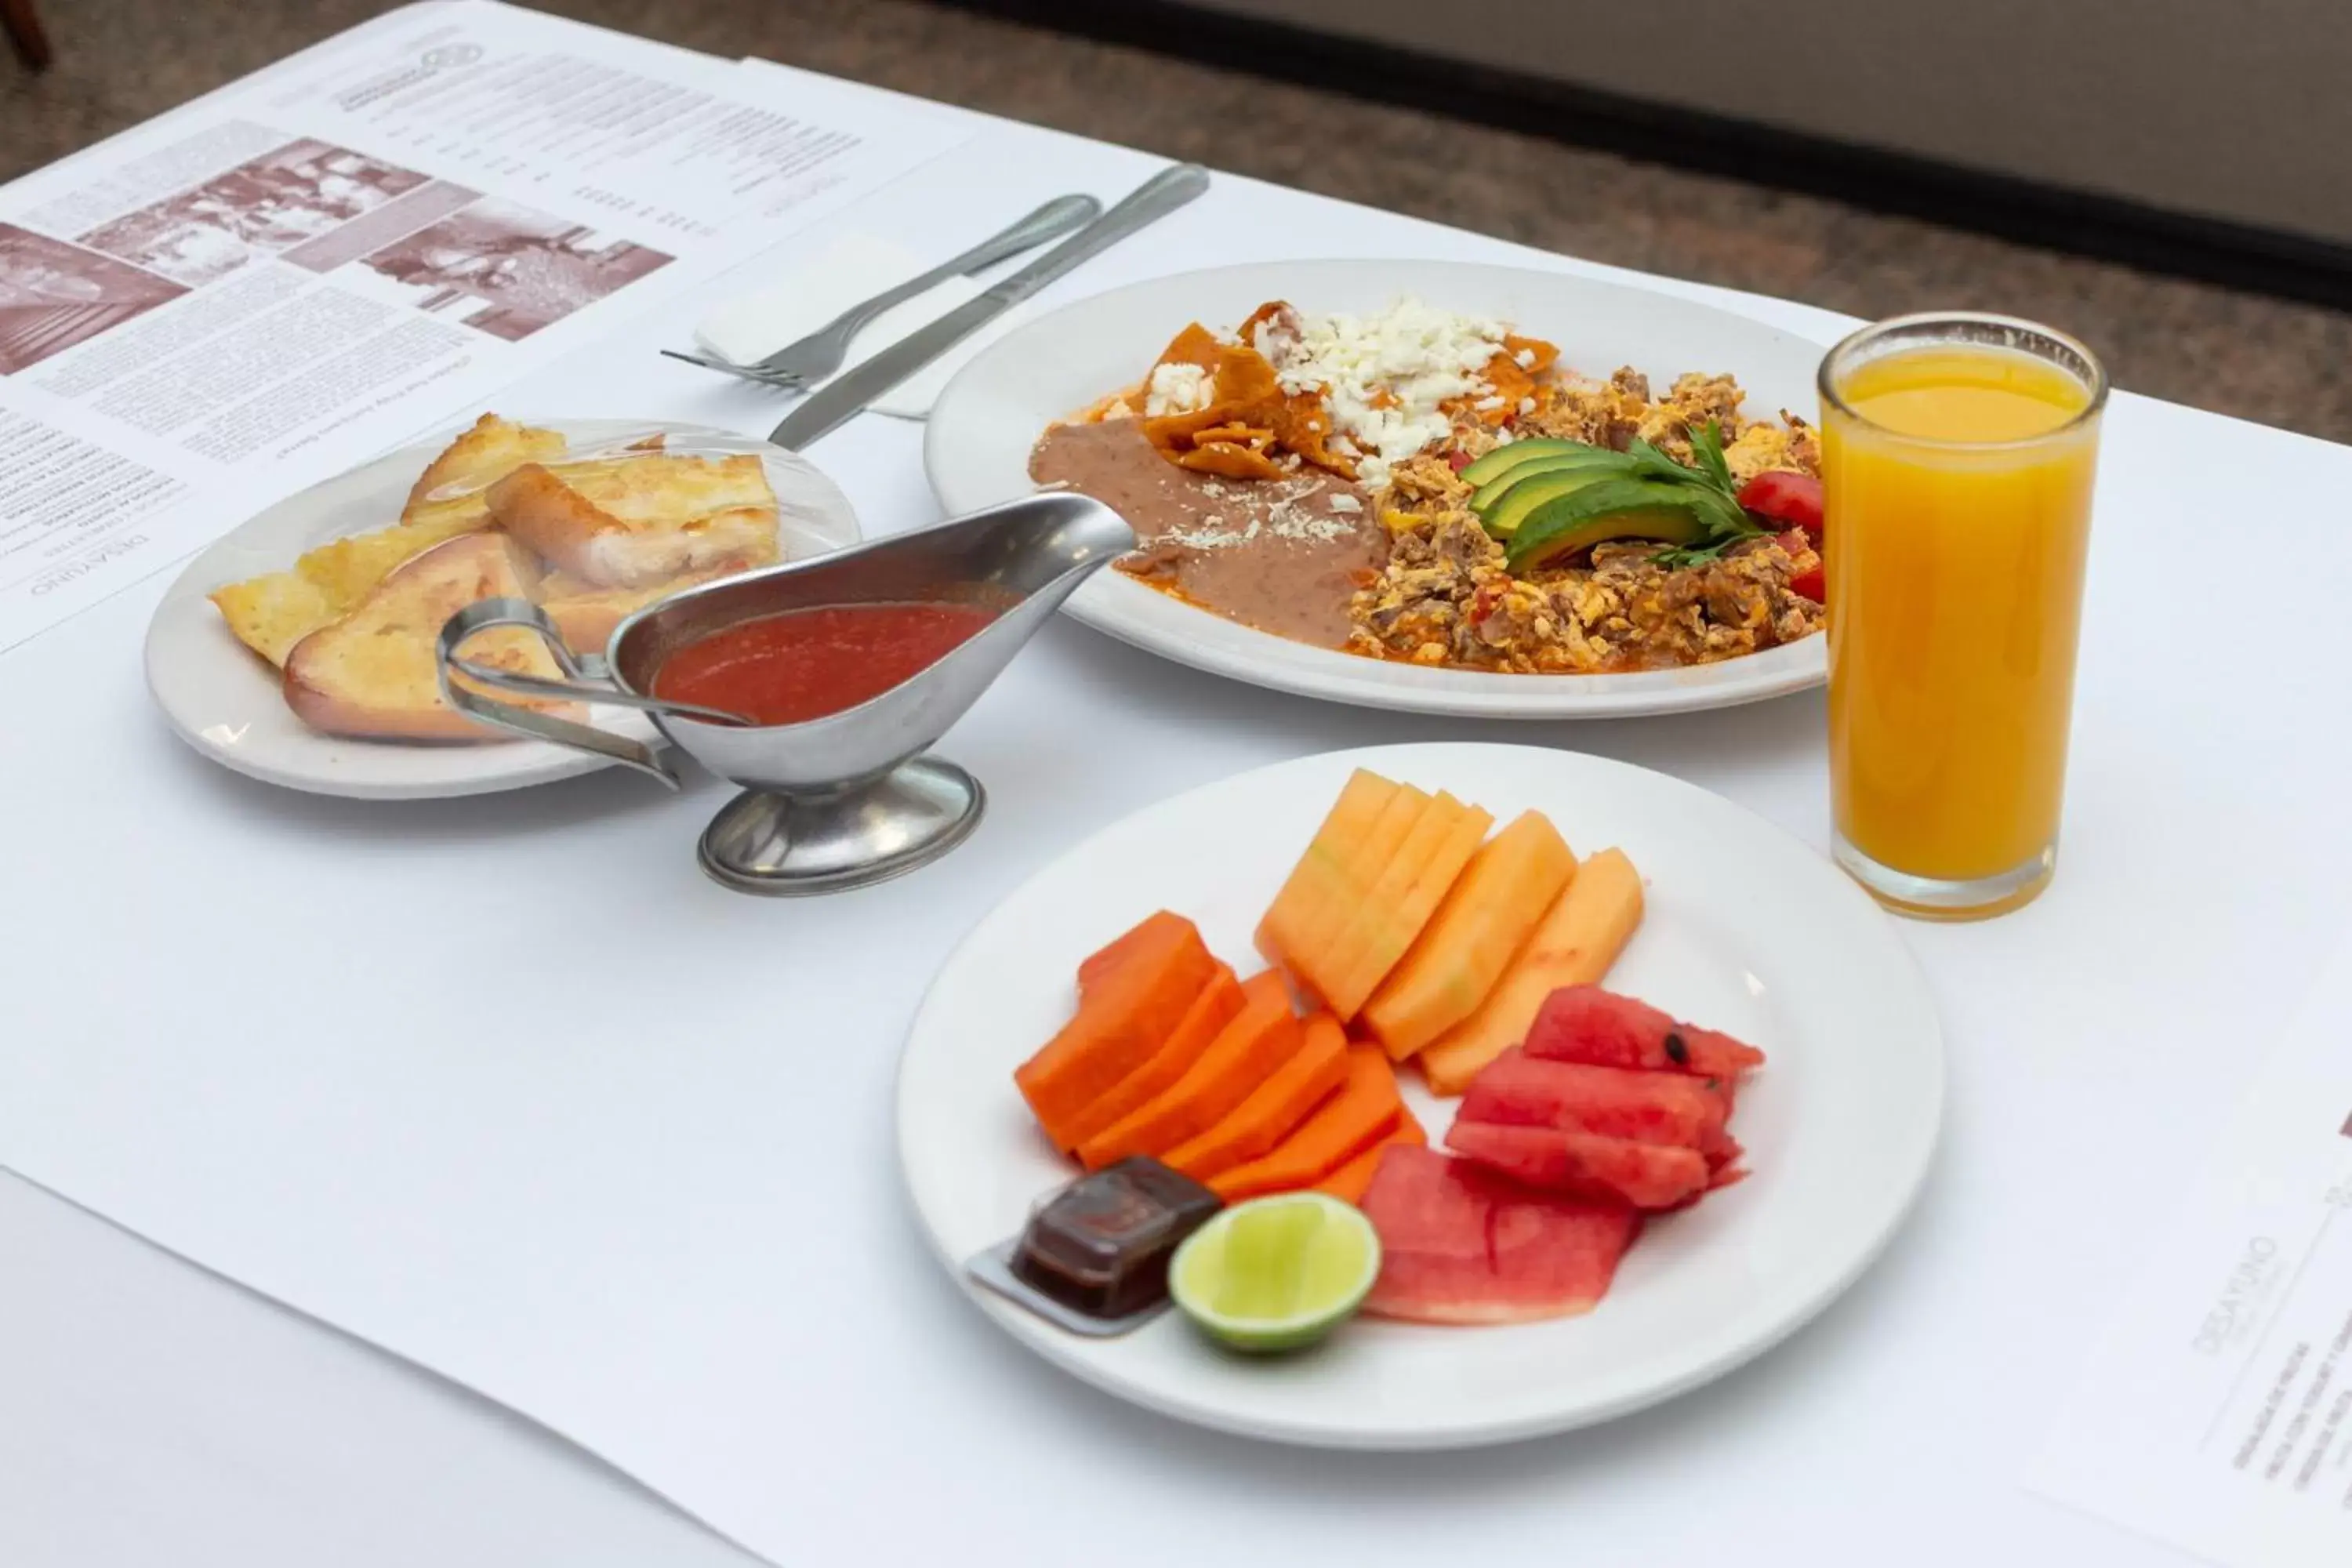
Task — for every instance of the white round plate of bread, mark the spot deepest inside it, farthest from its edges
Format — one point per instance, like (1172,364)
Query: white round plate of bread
(267,626)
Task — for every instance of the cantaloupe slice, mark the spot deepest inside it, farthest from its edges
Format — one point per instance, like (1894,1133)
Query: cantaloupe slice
(1574,944)
(1329,960)
(1273,1108)
(1460,954)
(1320,881)
(1304,954)
(1402,903)
(1245,1053)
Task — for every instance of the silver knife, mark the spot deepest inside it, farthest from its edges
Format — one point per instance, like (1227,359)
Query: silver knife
(851,391)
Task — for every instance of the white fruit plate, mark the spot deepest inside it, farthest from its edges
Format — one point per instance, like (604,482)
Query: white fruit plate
(1747,929)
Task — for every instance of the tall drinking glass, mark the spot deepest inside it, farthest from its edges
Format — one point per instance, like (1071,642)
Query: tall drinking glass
(1958,452)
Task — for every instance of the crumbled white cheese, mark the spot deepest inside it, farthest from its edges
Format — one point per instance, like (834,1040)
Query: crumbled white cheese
(1275,336)
(1178,388)
(1286,516)
(1527,406)
(1485,402)
(1199,539)
(1527,359)
(1385,377)
(1322,528)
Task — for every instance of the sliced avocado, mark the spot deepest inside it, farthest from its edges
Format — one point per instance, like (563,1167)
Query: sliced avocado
(1502,459)
(1491,494)
(1507,516)
(1593,514)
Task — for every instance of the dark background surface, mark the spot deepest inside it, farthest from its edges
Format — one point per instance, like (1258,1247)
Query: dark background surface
(2273,361)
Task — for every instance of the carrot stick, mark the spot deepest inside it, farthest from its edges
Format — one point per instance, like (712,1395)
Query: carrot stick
(1273,1108)
(1258,1039)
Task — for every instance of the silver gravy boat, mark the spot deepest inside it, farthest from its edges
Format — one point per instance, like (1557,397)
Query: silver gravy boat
(846,799)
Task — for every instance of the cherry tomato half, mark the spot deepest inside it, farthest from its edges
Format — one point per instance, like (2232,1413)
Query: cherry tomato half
(1796,542)
(1791,500)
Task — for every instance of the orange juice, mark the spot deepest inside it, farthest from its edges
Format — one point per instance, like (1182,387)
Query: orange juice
(1958,480)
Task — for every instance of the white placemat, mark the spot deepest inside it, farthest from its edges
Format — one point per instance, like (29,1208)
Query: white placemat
(507,1087)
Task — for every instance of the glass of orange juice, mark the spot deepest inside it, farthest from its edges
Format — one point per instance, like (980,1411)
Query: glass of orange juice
(1958,452)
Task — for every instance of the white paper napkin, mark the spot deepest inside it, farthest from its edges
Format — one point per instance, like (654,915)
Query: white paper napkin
(853,268)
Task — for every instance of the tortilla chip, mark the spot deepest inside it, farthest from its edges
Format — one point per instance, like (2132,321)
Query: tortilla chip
(1247,330)
(1303,424)
(1194,345)
(1547,354)
(1175,433)
(1230,459)
(1247,388)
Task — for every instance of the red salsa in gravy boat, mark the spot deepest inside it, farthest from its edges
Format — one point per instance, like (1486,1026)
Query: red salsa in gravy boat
(818,687)
(801,665)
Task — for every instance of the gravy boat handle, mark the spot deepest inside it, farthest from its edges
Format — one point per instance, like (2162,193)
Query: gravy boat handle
(482,616)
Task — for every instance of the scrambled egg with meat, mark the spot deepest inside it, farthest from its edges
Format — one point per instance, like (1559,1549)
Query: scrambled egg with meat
(1447,598)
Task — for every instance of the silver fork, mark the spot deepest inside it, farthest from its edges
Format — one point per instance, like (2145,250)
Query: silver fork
(819,354)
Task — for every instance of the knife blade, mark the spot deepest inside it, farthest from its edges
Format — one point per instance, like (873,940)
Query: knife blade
(848,393)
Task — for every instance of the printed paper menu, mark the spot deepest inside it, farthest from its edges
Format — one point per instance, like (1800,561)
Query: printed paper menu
(2217,1412)
(313,265)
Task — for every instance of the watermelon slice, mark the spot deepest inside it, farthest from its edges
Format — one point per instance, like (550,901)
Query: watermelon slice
(1459,1245)
(1517,1090)
(1600,1028)
(1648,1175)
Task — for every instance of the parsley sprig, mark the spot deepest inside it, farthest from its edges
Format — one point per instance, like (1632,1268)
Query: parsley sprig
(1714,501)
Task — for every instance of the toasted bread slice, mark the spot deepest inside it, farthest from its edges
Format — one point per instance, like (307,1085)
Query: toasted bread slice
(590,615)
(641,521)
(491,449)
(373,673)
(271,613)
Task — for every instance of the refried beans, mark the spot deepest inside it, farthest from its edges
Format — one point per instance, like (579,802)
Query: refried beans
(1283,556)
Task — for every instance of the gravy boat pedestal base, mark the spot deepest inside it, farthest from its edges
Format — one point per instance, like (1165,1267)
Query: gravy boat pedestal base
(792,845)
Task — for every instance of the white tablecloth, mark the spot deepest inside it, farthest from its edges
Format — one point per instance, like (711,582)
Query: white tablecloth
(507,1087)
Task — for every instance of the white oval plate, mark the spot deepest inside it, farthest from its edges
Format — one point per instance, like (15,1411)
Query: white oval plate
(226,702)
(1747,929)
(985,423)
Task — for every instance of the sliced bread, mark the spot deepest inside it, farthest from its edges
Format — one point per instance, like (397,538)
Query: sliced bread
(491,449)
(271,612)
(590,615)
(641,521)
(373,672)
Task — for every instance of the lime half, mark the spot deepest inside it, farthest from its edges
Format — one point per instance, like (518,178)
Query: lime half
(1279,1273)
